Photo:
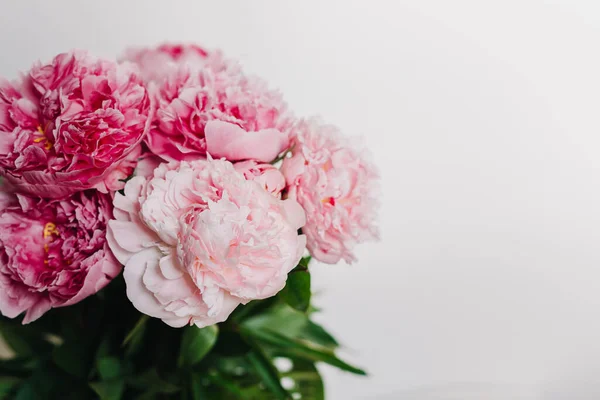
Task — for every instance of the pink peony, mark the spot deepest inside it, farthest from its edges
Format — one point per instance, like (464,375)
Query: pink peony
(227,140)
(336,186)
(221,112)
(159,62)
(52,253)
(71,125)
(267,175)
(197,239)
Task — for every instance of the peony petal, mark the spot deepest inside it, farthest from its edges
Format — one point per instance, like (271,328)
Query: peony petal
(169,266)
(119,252)
(37,310)
(177,322)
(292,168)
(228,305)
(294,213)
(41,183)
(141,298)
(126,238)
(146,166)
(228,140)
(103,269)
(84,119)
(11,306)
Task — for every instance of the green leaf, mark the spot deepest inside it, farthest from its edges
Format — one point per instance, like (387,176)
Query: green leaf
(7,385)
(42,384)
(151,381)
(253,308)
(196,343)
(296,348)
(296,292)
(74,357)
(308,381)
(135,337)
(24,340)
(26,392)
(317,334)
(197,389)
(289,322)
(109,390)
(17,367)
(221,381)
(304,262)
(109,368)
(71,322)
(264,368)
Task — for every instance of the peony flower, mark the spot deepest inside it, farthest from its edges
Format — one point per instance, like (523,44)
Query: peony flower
(224,139)
(336,186)
(71,125)
(267,175)
(197,240)
(217,111)
(159,62)
(52,253)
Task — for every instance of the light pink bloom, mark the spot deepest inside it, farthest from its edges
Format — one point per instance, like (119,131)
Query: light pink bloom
(74,124)
(197,239)
(52,253)
(227,140)
(337,187)
(157,63)
(267,175)
(220,112)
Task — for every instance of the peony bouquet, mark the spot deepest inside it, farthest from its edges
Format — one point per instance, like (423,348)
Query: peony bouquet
(157,220)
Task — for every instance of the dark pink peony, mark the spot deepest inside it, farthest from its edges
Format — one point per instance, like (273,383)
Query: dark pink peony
(74,124)
(220,111)
(53,253)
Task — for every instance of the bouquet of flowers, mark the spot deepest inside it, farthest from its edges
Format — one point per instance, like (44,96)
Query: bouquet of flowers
(196,182)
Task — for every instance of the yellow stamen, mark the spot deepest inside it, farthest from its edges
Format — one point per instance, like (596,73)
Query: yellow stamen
(42,138)
(50,229)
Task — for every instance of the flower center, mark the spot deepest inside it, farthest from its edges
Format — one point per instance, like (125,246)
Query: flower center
(50,229)
(330,200)
(41,138)
(49,232)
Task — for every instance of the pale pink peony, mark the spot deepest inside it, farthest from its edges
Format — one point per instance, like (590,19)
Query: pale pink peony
(267,175)
(74,124)
(229,141)
(197,240)
(220,112)
(157,63)
(337,187)
(53,253)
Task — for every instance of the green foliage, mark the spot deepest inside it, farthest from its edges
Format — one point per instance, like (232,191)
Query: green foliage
(196,343)
(109,390)
(264,368)
(102,348)
(296,292)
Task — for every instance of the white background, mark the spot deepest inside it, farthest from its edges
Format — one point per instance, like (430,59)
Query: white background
(484,119)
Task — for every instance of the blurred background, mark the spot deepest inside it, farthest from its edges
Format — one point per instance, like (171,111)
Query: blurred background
(483,117)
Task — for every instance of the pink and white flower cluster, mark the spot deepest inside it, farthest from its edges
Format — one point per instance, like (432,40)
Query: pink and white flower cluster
(176,164)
